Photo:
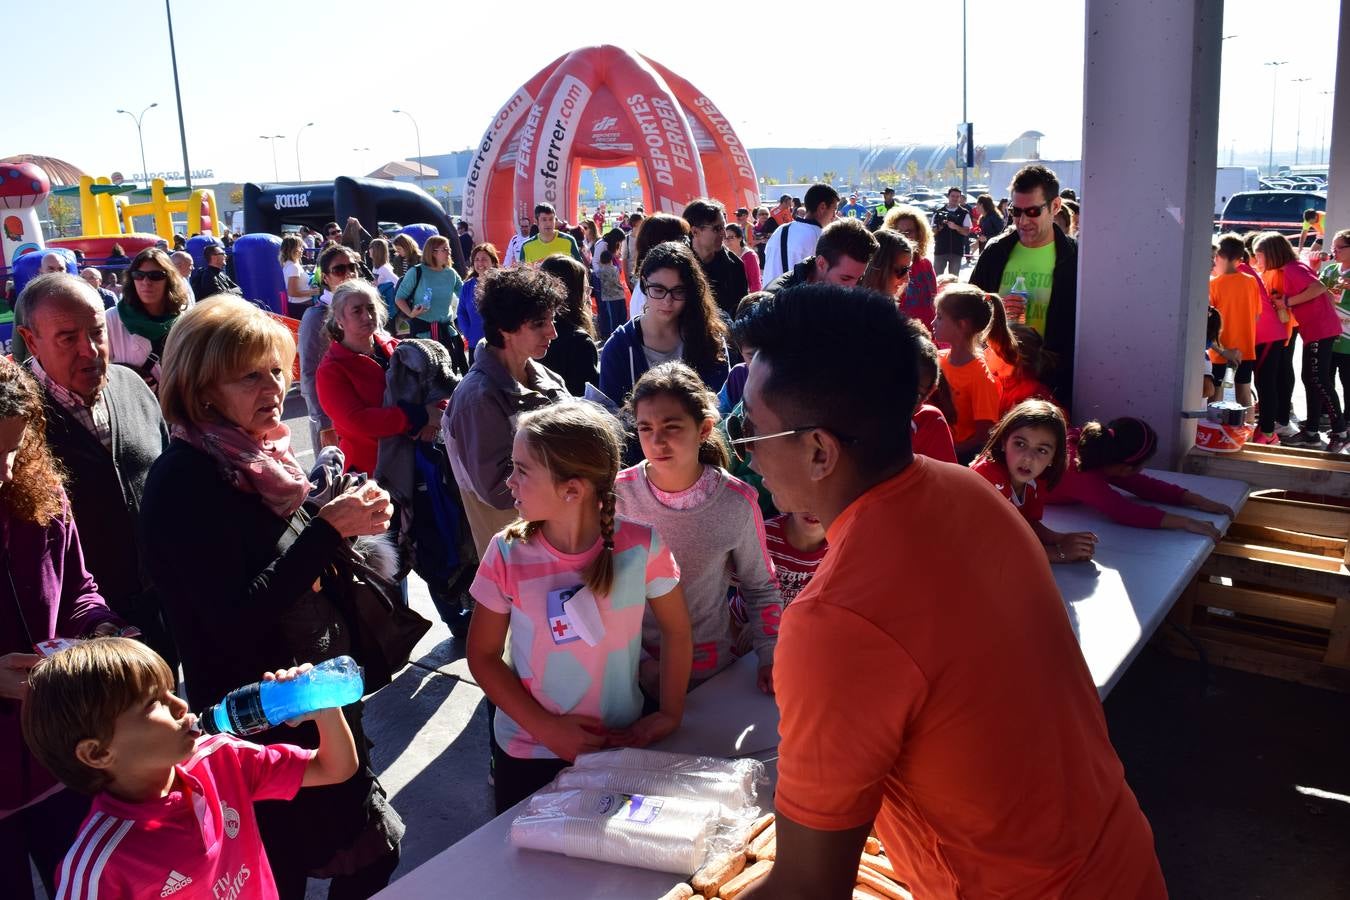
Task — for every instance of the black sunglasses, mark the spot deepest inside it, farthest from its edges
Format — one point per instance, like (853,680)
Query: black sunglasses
(342,270)
(1033,212)
(151,275)
(743,444)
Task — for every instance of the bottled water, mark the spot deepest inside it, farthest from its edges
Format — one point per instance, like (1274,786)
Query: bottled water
(266,704)
(1019,289)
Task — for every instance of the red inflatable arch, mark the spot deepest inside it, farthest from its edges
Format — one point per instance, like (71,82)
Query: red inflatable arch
(601,107)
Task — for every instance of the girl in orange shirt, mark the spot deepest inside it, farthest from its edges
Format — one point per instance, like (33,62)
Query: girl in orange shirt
(965,317)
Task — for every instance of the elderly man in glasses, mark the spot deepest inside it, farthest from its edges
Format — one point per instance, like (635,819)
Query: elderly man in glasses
(105,427)
(1046,259)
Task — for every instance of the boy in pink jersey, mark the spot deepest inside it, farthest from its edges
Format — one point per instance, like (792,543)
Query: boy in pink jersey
(173,812)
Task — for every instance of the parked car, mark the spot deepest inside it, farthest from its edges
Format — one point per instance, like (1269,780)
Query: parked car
(1280,211)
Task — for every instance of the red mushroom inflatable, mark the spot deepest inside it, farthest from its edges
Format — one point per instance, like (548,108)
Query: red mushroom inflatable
(22,187)
(602,107)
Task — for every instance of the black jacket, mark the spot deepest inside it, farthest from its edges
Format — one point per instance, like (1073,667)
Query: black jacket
(230,572)
(575,357)
(209,281)
(799,274)
(105,489)
(726,274)
(1061,317)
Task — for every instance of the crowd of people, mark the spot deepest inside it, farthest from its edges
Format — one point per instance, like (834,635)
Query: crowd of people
(663,447)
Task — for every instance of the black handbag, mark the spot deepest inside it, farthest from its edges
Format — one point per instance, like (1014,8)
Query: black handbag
(383,630)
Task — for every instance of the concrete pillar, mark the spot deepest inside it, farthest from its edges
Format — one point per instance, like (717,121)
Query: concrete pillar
(1338,188)
(1150,129)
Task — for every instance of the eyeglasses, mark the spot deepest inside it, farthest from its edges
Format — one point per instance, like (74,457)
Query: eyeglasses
(342,270)
(1033,212)
(661,292)
(741,436)
(149,274)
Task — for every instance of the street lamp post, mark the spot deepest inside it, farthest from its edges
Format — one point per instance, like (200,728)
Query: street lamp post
(965,114)
(299,175)
(178,96)
(145,172)
(1274,86)
(1322,157)
(1298,120)
(276,174)
(417,131)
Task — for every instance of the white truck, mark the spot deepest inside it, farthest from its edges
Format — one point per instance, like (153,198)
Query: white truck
(1001,172)
(1229,180)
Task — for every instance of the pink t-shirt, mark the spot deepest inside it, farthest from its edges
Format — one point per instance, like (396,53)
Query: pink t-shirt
(201,841)
(1268,325)
(534,583)
(1316,318)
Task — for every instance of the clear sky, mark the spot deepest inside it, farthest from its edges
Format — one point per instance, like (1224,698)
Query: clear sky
(891,75)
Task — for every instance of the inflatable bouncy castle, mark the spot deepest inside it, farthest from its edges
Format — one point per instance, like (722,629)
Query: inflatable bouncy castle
(107,218)
(22,187)
(601,107)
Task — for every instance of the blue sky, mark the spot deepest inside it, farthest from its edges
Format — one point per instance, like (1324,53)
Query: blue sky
(887,72)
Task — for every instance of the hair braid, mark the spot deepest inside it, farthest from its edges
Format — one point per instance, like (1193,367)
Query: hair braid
(607,517)
(599,574)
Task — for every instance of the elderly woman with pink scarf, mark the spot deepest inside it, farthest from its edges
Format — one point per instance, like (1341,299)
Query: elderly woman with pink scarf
(239,558)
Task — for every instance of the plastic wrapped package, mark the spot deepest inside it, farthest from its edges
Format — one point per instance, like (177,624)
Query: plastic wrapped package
(665,834)
(728,793)
(747,774)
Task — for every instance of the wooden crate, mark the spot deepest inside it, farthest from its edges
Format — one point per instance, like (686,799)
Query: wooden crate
(1274,596)
(1311,472)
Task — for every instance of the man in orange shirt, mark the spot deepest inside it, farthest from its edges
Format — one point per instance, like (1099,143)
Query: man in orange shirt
(928,678)
(782,213)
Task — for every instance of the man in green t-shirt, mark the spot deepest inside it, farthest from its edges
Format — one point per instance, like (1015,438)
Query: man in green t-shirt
(549,241)
(1047,261)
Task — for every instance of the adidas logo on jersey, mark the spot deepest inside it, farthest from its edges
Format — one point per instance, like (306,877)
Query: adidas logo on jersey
(174,883)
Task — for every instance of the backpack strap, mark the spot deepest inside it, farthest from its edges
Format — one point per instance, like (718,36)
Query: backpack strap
(782,246)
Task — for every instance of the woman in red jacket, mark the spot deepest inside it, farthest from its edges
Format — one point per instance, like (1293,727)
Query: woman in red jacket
(351,379)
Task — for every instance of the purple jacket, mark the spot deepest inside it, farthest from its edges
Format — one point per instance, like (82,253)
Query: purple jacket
(58,598)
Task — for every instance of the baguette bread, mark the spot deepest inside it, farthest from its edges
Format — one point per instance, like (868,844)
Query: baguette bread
(741,883)
(717,872)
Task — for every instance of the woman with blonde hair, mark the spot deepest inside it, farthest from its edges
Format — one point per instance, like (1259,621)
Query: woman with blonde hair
(912,222)
(153,297)
(299,293)
(243,564)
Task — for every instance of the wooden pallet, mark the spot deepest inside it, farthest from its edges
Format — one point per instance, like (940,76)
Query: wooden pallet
(1274,596)
(1284,468)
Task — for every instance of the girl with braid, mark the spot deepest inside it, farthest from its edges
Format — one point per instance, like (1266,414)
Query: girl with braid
(710,518)
(572,581)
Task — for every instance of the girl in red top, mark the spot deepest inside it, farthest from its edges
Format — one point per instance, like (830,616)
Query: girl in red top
(929,433)
(1113,455)
(1026,457)
(1024,379)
